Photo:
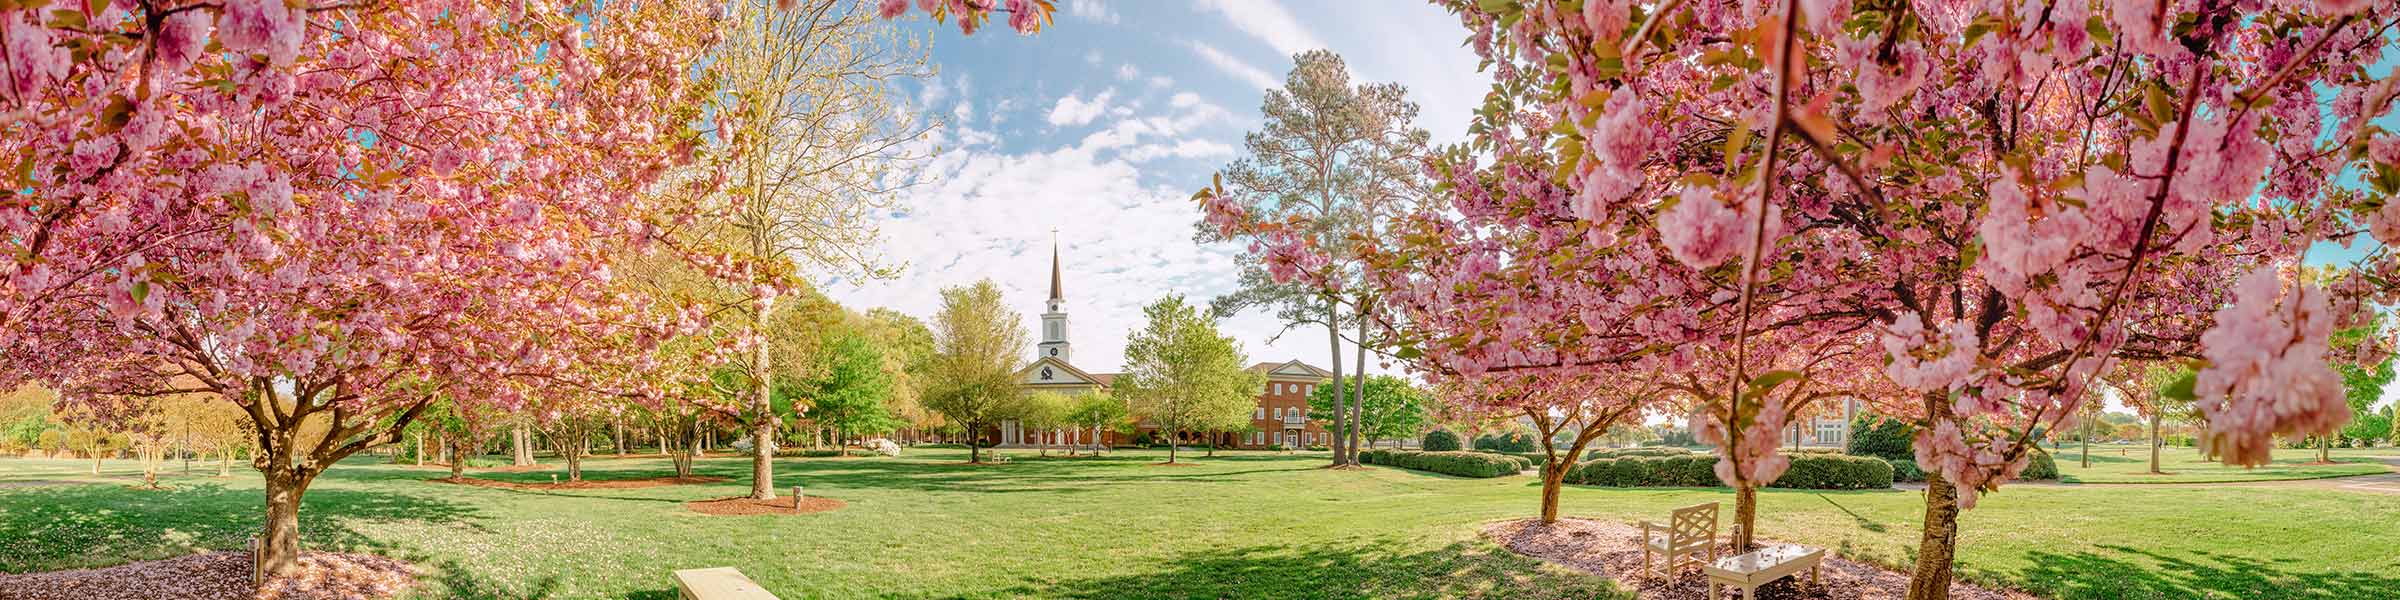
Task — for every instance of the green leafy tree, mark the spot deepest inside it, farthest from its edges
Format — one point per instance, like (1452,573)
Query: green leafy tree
(1099,412)
(1044,412)
(1387,407)
(1341,156)
(851,392)
(2362,386)
(1182,375)
(978,344)
(907,348)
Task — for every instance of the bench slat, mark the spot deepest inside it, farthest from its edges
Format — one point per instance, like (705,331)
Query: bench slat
(719,583)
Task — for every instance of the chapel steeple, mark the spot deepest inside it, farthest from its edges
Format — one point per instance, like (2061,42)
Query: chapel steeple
(1054,322)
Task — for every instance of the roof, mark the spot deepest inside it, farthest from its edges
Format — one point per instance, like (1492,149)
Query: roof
(1056,291)
(1292,369)
(1074,377)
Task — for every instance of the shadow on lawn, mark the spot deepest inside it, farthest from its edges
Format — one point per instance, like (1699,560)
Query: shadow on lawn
(1078,476)
(2198,574)
(48,528)
(1380,570)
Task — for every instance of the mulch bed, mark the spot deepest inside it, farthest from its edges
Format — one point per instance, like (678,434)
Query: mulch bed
(1614,550)
(1175,464)
(750,506)
(219,576)
(588,484)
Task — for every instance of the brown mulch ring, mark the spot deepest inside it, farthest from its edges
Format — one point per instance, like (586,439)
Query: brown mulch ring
(219,576)
(1174,464)
(588,484)
(1614,550)
(749,506)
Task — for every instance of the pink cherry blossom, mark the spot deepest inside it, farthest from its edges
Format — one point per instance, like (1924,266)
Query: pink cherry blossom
(1700,230)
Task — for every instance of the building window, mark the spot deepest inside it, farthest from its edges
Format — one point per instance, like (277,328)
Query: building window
(1260,413)
(1279,412)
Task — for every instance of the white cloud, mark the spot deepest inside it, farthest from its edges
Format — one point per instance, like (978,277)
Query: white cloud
(1091,57)
(1128,71)
(1268,21)
(988,214)
(1095,10)
(1078,112)
(1179,149)
(1234,66)
(1161,81)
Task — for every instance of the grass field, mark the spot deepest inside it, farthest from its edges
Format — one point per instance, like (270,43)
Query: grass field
(2130,463)
(1240,525)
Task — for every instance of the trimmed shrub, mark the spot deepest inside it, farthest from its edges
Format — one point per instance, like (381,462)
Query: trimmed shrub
(1463,464)
(1821,471)
(829,452)
(1440,440)
(1511,442)
(2042,467)
(1597,453)
(1809,471)
(1882,437)
(1906,470)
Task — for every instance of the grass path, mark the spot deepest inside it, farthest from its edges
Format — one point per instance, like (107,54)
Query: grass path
(1240,525)
(2121,463)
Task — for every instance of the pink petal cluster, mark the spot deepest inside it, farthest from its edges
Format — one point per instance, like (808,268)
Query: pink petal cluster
(270,27)
(1700,230)
(2267,372)
(1618,141)
(1923,361)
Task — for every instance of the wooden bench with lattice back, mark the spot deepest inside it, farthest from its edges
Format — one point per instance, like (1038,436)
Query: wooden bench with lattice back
(1690,533)
(720,583)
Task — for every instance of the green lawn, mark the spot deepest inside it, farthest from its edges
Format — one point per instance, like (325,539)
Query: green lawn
(1240,525)
(2130,463)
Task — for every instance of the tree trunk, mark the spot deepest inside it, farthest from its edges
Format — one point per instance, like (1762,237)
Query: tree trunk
(520,443)
(1745,517)
(618,426)
(1936,548)
(458,459)
(2324,448)
(1554,474)
(1173,441)
(762,432)
(1358,394)
(1341,411)
(279,543)
(974,450)
(2087,445)
(225,467)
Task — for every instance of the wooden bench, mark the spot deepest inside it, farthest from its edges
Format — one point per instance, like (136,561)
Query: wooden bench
(1756,568)
(720,583)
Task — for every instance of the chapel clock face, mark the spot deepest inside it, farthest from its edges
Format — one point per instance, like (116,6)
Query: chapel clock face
(1045,372)
(1054,352)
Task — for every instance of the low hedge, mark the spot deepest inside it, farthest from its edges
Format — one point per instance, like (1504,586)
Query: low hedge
(1811,470)
(1598,453)
(1515,442)
(1463,464)
(829,452)
(1906,470)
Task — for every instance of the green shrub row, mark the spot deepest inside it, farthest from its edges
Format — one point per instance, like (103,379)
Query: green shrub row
(2043,467)
(1598,453)
(1809,470)
(1905,469)
(1463,464)
(1515,442)
(826,452)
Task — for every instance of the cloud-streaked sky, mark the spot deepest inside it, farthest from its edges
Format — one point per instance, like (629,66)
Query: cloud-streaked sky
(1102,126)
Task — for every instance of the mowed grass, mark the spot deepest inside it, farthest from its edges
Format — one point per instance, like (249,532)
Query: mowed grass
(1241,525)
(2130,463)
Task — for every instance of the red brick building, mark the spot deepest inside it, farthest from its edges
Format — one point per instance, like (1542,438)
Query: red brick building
(1279,420)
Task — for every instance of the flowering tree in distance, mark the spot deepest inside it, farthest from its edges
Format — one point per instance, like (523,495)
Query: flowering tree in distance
(2008,196)
(328,229)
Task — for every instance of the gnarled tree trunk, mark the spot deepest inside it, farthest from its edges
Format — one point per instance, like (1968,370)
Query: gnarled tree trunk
(762,432)
(1938,545)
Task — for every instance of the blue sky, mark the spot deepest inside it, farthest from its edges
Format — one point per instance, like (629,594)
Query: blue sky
(1102,126)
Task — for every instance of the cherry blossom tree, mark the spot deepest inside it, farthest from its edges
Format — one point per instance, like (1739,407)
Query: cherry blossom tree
(329,214)
(2007,196)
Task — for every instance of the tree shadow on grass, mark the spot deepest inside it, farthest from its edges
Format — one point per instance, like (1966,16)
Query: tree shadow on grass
(2137,574)
(1049,477)
(50,528)
(1360,570)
